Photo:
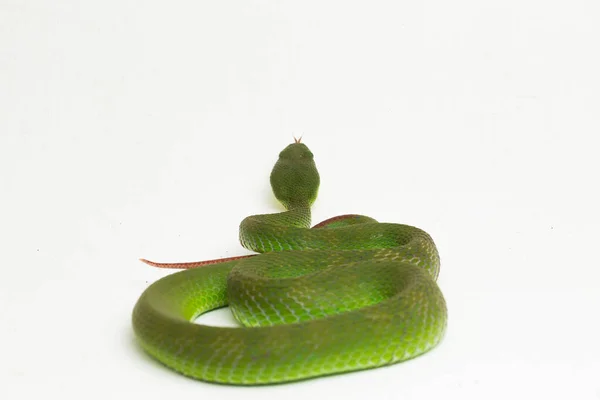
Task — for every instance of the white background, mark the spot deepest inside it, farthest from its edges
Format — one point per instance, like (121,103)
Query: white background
(148,129)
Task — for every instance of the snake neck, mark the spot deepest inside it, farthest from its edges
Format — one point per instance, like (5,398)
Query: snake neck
(257,231)
(298,204)
(298,214)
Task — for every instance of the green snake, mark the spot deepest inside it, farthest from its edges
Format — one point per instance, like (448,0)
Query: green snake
(347,294)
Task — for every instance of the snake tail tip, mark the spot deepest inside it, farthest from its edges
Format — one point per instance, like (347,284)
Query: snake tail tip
(147,262)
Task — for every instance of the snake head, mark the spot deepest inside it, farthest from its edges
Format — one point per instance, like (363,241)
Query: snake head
(294,178)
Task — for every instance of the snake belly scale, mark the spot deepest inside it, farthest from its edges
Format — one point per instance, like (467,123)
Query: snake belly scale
(347,294)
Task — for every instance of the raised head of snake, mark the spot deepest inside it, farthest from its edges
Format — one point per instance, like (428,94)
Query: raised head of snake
(294,178)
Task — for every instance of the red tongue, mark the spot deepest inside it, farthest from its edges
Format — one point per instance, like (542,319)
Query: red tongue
(193,264)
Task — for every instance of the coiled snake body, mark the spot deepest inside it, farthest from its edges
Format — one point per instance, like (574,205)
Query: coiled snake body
(347,294)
